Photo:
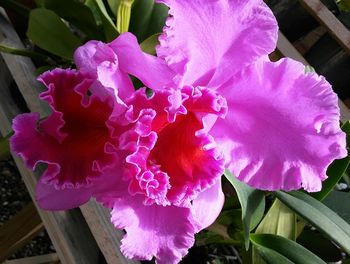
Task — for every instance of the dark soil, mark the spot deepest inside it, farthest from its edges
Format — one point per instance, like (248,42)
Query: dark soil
(13,197)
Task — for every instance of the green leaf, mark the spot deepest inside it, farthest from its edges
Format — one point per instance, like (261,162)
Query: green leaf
(110,29)
(336,170)
(276,250)
(49,32)
(76,13)
(5,147)
(24,52)
(158,18)
(339,202)
(271,256)
(216,234)
(147,18)
(279,220)
(113,5)
(149,44)
(319,215)
(344,5)
(252,202)
(91,4)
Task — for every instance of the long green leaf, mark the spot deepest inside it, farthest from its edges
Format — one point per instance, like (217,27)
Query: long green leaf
(252,202)
(336,170)
(270,256)
(268,245)
(319,215)
(24,52)
(76,13)
(114,5)
(110,29)
(147,18)
(339,202)
(49,32)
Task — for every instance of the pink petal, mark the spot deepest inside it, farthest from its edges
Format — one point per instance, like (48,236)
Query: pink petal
(282,129)
(208,40)
(50,198)
(99,61)
(152,71)
(207,206)
(163,232)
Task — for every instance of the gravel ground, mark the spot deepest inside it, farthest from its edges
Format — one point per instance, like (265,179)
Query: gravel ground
(13,197)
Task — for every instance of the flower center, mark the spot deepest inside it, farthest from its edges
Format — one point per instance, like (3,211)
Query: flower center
(173,158)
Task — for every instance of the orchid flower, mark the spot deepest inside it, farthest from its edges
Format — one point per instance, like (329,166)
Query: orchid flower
(212,101)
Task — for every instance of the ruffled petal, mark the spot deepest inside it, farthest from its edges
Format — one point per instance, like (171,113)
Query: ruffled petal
(99,61)
(163,232)
(282,129)
(207,206)
(206,41)
(171,157)
(152,71)
(28,142)
(63,140)
(50,198)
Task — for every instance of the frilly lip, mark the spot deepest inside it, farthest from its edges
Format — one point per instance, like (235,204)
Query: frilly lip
(148,119)
(77,117)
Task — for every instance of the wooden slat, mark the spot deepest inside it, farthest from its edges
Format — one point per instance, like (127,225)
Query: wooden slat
(43,259)
(326,18)
(98,218)
(68,230)
(109,240)
(287,49)
(20,66)
(305,43)
(19,230)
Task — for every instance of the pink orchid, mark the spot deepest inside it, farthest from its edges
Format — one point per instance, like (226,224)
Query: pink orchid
(217,103)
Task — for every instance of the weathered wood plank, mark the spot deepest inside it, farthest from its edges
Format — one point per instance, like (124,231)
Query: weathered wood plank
(305,43)
(326,18)
(43,259)
(97,218)
(68,230)
(19,230)
(285,47)
(23,67)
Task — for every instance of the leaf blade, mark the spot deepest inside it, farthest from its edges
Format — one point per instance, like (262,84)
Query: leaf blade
(252,202)
(287,248)
(48,32)
(110,29)
(319,216)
